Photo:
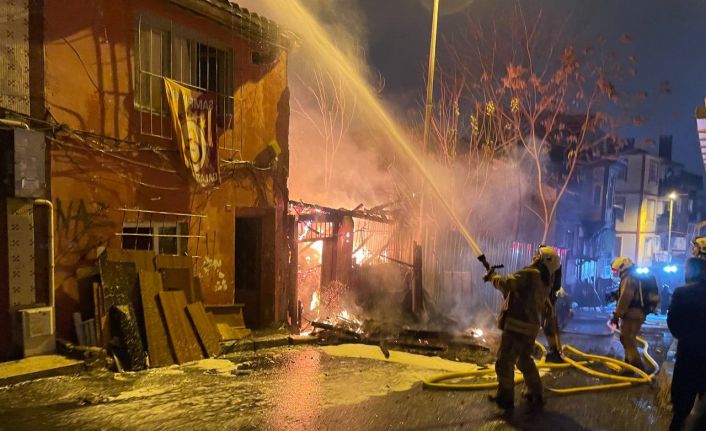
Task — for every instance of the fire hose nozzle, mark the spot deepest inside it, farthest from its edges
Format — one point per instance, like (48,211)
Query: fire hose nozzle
(490,269)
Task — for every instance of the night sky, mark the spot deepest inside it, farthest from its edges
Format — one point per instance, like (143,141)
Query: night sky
(668,39)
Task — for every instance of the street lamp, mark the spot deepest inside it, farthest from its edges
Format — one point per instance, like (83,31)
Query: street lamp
(672,197)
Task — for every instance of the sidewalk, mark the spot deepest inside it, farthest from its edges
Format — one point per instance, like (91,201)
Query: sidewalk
(37,367)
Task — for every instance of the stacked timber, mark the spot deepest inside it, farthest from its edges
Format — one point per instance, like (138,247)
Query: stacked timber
(146,309)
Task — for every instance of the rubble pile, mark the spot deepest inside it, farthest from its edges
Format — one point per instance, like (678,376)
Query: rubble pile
(347,329)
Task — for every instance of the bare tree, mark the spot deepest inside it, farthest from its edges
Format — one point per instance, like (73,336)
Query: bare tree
(536,103)
(330,110)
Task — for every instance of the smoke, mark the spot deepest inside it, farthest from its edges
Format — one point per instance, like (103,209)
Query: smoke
(336,160)
(346,150)
(342,155)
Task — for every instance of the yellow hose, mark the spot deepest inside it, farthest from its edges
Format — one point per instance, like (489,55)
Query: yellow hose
(439,381)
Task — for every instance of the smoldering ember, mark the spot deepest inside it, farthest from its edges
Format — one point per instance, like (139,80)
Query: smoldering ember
(352,215)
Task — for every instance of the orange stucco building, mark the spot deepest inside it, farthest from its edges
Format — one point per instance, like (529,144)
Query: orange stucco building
(115,175)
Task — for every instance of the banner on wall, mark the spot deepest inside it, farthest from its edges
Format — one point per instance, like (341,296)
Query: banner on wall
(194,118)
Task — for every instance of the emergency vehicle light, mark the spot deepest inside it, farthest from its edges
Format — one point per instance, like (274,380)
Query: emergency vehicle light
(670,268)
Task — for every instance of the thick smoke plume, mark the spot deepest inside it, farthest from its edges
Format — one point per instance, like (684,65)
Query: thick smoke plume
(343,154)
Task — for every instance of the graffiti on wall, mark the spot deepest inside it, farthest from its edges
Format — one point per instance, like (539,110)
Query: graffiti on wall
(80,226)
(211,268)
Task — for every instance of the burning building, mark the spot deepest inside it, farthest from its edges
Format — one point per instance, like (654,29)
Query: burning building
(164,127)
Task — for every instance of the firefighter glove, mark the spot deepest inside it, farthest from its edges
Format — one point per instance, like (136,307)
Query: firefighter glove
(615,321)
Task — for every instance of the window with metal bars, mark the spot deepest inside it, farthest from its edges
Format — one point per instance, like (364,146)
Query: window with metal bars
(162,52)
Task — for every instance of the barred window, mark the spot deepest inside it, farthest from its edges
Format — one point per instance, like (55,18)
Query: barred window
(163,52)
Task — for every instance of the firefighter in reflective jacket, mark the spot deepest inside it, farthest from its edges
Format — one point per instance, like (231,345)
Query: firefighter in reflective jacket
(629,314)
(525,293)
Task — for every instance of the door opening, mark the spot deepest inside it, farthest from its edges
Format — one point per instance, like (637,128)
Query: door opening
(248,267)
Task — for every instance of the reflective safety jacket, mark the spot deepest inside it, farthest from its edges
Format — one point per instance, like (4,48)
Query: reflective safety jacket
(525,295)
(629,305)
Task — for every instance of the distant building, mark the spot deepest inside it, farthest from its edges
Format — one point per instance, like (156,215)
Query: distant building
(637,198)
(585,223)
(643,194)
(685,190)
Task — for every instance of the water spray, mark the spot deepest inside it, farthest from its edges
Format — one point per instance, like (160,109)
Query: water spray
(319,39)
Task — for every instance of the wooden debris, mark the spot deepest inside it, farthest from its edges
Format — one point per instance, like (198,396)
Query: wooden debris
(98,313)
(85,330)
(158,347)
(119,280)
(178,279)
(78,327)
(229,321)
(143,259)
(198,292)
(206,331)
(180,331)
(131,351)
(229,333)
(178,274)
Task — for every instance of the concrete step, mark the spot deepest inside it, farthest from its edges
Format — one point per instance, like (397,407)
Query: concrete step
(37,367)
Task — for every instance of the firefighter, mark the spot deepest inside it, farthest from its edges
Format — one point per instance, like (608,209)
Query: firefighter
(628,315)
(525,293)
(686,319)
(698,248)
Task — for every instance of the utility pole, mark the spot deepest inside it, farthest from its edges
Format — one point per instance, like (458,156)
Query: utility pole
(428,106)
(430,75)
(672,196)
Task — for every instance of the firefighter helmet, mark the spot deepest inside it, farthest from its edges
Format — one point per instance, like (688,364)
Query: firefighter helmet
(698,249)
(621,264)
(549,257)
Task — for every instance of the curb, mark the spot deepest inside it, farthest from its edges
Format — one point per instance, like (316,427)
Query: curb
(40,374)
(260,343)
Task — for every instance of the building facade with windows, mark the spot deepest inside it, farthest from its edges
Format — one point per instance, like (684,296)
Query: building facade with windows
(638,205)
(123,171)
(682,195)
(586,221)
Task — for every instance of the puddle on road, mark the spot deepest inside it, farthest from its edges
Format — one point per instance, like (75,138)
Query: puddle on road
(276,389)
(272,389)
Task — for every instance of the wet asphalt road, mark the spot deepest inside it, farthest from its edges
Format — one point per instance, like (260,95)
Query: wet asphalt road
(303,388)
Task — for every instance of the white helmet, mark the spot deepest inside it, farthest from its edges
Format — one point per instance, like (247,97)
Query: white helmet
(621,264)
(698,249)
(549,257)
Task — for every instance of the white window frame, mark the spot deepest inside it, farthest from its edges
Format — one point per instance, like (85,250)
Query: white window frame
(181,228)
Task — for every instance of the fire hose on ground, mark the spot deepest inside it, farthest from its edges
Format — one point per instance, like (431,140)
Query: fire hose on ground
(620,381)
